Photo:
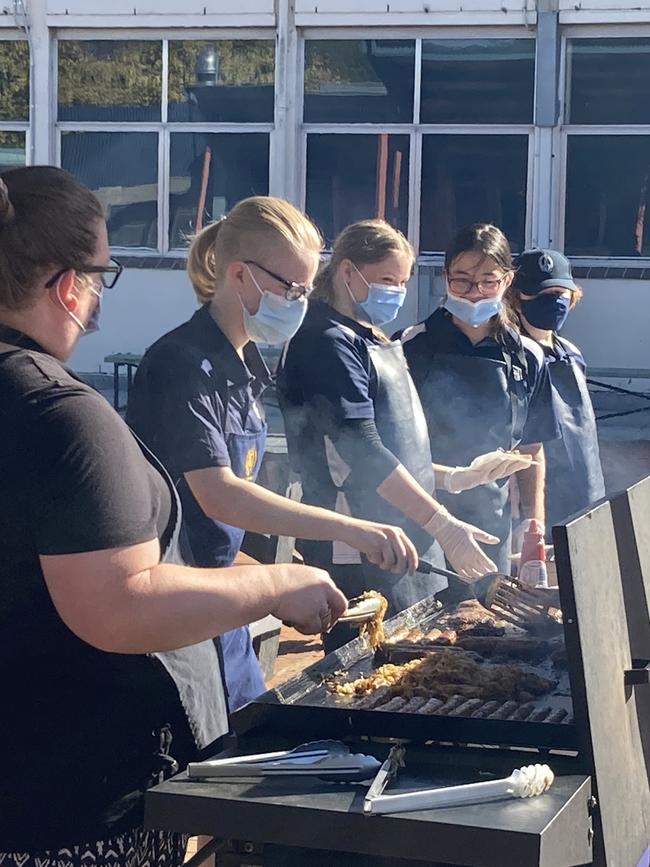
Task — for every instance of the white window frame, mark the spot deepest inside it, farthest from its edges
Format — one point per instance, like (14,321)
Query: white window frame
(565,130)
(414,130)
(163,128)
(24,126)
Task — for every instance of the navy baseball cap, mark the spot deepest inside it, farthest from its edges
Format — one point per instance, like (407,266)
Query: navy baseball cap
(538,269)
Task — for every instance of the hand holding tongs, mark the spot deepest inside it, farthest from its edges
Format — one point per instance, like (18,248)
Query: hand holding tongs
(328,760)
(524,782)
(361,609)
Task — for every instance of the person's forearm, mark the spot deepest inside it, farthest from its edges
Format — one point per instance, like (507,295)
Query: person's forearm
(402,491)
(171,606)
(252,507)
(531,484)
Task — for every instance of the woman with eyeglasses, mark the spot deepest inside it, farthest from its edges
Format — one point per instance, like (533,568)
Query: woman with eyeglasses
(196,402)
(355,427)
(484,388)
(108,668)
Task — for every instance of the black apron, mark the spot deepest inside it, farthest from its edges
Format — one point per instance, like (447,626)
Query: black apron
(402,427)
(475,405)
(574,477)
(214,544)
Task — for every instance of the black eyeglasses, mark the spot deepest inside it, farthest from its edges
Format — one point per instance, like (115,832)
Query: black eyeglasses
(292,291)
(108,274)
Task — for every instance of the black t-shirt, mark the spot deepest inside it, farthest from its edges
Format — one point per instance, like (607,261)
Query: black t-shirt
(76,724)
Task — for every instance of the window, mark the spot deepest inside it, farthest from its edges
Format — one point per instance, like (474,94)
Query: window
(608,81)
(12,150)
(122,170)
(607,161)
(477,80)
(106,80)
(14,103)
(359,81)
(376,124)
(608,212)
(469,179)
(211,172)
(351,177)
(221,81)
(157,180)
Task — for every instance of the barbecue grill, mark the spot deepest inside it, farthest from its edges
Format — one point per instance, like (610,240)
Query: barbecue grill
(598,810)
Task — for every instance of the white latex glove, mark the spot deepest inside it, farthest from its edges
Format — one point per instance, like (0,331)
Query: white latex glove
(483,469)
(459,543)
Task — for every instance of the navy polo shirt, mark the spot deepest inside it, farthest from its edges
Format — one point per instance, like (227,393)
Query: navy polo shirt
(325,378)
(563,350)
(190,391)
(439,335)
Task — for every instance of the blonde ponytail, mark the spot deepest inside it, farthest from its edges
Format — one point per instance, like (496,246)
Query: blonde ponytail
(202,263)
(254,224)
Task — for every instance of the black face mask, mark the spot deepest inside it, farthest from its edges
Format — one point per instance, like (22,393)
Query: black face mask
(547,312)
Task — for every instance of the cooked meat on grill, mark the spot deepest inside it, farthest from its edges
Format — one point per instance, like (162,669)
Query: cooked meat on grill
(467,708)
(504,711)
(486,709)
(374,629)
(447,673)
(524,648)
(469,615)
(454,702)
(432,705)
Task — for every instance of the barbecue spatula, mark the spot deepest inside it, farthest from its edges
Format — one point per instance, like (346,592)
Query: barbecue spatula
(529,608)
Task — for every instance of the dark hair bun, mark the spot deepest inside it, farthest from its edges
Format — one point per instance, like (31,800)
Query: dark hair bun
(7,212)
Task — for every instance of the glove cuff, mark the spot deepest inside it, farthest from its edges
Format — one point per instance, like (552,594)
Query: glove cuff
(439,520)
(450,480)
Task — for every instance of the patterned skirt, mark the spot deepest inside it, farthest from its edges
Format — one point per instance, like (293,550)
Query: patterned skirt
(137,848)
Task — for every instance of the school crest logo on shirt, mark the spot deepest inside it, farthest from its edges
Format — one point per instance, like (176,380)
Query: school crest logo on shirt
(250,462)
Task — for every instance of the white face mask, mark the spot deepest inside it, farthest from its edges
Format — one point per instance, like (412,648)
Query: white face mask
(276,319)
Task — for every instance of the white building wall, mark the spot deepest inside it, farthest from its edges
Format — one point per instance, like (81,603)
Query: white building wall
(609,325)
(142,307)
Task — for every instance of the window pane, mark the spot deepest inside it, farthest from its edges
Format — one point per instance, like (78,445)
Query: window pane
(12,150)
(354,177)
(211,172)
(225,80)
(110,80)
(469,179)
(122,170)
(14,80)
(477,80)
(609,80)
(608,201)
(359,81)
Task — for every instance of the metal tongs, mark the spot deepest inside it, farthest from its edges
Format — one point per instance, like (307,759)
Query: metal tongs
(526,782)
(327,760)
(361,610)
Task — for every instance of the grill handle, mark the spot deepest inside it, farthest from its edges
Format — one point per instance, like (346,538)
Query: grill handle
(639,674)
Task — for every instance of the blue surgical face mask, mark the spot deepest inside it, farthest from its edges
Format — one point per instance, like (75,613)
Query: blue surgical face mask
(276,319)
(547,312)
(382,304)
(474,313)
